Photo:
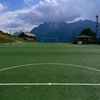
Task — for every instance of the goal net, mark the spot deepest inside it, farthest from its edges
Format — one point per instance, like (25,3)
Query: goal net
(49,40)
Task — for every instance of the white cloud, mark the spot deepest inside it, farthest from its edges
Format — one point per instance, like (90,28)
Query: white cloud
(1,6)
(28,2)
(61,10)
(49,10)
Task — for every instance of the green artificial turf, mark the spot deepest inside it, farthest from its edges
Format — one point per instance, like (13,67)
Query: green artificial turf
(21,54)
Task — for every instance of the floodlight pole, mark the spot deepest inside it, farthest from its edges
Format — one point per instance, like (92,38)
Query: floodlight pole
(10,31)
(97,25)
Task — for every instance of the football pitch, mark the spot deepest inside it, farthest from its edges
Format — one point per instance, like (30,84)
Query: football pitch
(53,71)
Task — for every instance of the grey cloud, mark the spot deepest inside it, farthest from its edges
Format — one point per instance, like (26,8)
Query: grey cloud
(12,25)
(50,10)
(61,10)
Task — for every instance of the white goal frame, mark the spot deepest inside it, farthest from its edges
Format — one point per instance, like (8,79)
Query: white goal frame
(50,39)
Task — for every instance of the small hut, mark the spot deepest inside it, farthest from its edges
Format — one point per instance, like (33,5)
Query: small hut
(84,39)
(28,36)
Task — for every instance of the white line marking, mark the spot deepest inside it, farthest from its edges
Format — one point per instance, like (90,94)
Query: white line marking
(49,84)
(13,67)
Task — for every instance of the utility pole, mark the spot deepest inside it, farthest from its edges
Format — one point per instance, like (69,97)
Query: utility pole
(10,31)
(97,25)
(10,34)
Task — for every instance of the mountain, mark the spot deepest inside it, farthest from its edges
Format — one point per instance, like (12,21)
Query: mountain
(17,33)
(62,31)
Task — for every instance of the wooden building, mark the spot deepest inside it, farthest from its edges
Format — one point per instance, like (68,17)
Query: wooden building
(28,36)
(84,39)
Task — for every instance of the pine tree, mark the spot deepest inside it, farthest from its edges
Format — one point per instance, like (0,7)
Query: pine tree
(88,31)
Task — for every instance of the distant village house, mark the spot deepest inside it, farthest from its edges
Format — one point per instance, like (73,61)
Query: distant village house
(28,36)
(84,39)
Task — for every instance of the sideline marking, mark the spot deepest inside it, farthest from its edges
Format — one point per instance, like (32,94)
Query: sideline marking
(78,66)
(49,84)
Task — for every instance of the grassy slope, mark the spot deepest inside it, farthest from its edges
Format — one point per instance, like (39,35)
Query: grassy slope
(11,55)
(6,38)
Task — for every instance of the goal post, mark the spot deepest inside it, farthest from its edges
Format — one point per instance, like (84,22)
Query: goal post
(49,40)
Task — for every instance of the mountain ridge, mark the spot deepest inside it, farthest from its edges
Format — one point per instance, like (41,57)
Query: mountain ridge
(64,32)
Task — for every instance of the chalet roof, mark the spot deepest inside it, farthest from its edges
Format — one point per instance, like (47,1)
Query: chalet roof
(29,34)
(84,36)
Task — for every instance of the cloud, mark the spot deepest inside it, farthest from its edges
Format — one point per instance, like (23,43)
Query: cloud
(9,20)
(1,6)
(49,10)
(28,2)
(60,10)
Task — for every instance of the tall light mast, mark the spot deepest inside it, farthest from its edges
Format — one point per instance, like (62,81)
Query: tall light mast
(97,25)
(10,31)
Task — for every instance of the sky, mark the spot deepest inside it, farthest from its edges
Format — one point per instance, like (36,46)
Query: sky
(24,15)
